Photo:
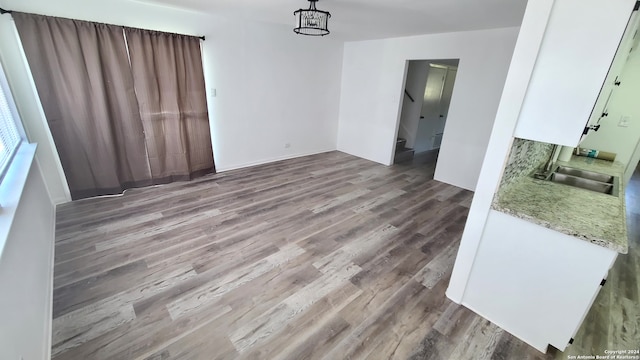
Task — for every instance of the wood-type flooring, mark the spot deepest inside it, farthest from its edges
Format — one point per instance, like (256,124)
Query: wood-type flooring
(321,257)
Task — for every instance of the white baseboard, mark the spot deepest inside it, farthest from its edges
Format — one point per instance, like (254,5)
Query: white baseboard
(267,161)
(59,201)
(48,328)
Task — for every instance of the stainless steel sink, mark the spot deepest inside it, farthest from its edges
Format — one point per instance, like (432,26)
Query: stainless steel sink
(583,183)
(589,180)
(585,174)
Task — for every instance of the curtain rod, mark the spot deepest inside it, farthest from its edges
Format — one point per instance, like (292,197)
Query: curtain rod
(4,11)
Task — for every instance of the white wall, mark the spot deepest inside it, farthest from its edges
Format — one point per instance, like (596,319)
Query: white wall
(273,87)
(26,275)
(624,102)
(515,89)
(415,83)
(372,89)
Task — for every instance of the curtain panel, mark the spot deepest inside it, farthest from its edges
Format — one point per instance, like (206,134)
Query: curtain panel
(81,72)
(122,115)
(169,84)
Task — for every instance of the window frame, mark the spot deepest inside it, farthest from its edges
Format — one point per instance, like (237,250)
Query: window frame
(15,118)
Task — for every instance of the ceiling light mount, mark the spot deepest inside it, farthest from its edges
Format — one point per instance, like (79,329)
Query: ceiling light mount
(312,21)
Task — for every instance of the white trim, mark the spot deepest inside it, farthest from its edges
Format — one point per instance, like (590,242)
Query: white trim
(45,124)
(48,328)
(14,119)
(267,161)
(12,187)
(4,84)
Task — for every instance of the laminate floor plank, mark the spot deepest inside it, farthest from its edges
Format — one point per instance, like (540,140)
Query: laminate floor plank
(434,346)
(86,323)
(276,318)
(310,326)
(482,345)
(212,243)
(209,342)
(364,338)
(86,291)
(326,256)
(411,326)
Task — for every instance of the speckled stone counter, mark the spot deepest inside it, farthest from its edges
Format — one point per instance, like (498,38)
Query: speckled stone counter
(588,215)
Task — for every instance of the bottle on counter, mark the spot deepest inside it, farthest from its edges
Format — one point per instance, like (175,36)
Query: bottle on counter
(597,154)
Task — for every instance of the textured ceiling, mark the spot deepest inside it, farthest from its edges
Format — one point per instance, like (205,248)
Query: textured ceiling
(373,19)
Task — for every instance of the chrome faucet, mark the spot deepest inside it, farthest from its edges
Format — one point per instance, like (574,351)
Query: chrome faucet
(543,173)
(549,163)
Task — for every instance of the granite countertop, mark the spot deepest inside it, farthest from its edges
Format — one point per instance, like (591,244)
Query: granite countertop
(588,215)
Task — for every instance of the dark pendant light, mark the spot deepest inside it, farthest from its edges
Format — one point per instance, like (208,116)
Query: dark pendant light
(312,21)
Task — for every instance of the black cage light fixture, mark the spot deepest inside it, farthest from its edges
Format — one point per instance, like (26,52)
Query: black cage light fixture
(312,21)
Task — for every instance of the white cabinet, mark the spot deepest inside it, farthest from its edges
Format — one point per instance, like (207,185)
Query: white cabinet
(536,283)
(579,44)
(614,76)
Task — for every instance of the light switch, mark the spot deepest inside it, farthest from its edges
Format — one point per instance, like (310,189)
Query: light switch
(214,92)
(625,121)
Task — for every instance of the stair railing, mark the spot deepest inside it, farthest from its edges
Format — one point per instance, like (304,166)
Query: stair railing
(409,95)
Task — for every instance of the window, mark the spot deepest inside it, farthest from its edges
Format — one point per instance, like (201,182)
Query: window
(9,136)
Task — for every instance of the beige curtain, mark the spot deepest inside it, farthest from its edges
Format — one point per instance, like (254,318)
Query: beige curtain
(120,117)
(82,74)
(169,84)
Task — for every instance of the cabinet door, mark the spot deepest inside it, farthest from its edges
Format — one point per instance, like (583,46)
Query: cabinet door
(534,282)
(579,45)
(593,298)
(614,77)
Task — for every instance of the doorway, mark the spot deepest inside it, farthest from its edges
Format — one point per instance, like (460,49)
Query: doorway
(427,96)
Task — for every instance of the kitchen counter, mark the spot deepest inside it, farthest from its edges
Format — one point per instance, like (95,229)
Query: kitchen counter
(587,215)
